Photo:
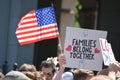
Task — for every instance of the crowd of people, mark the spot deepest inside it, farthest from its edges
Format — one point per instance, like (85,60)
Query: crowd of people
(53,69)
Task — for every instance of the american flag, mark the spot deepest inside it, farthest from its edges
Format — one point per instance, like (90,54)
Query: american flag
(37,25)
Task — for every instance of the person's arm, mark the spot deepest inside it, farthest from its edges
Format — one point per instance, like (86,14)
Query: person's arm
(112,75)
(62,61)
(113,68)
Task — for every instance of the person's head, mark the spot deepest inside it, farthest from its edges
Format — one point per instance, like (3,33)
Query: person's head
(15,65)
(103,72)
(37,75)
(1,75)
(27,67)
(101,77)
(48,68)
(15,75)
(82,74)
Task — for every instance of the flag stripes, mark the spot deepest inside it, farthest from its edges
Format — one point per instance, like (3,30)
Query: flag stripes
(29,31)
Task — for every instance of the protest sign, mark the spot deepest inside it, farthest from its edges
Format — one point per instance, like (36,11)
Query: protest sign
(107,53)
(82,48)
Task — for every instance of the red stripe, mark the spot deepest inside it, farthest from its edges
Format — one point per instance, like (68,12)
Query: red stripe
(34,30)
(29,27)
(45,33)
(33,41)
(49,27)
(27,32)
(29,37)
(31,12)
(35,35)
(29,17)
(28,42)
(24,23)
(44,37)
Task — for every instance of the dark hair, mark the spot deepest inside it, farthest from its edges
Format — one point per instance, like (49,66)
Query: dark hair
(47,64)
(67,69)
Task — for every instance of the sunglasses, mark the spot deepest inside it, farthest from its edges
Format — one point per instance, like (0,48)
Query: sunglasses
(48,74)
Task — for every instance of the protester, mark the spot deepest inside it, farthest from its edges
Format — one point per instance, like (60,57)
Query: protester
(15,75)
(83,74)
(15,66)
(48,68)
(1,75)
(31,75)
(27,67)
(5,67)
(112,71)
(54,60)
(37,75)
(101,77)
(63,73)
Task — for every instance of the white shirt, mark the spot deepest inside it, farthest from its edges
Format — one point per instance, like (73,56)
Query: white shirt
(67,76)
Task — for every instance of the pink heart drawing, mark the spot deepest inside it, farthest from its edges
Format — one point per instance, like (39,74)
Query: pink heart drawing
(96,51)
(69,48)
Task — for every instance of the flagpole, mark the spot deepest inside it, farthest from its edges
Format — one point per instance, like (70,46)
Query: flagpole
(59,47)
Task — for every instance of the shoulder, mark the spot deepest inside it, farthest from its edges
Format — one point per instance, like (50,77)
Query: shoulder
(67,75)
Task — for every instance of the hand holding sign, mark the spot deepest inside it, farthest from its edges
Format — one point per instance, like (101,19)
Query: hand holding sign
(107,52)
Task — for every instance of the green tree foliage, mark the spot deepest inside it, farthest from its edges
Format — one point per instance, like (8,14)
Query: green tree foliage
(78,8)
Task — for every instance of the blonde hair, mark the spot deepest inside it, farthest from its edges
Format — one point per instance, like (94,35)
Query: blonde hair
(101,77)
(37,75)
(27,67)
(82,74)
(1,75)
(103,72)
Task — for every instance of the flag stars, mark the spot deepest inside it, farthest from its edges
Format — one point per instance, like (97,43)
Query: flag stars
(45,16)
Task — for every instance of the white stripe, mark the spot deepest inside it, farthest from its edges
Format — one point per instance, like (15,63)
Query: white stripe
(27,20)
(36,28)
(28,29)
(47,26)
(29,34)
(48,30)
(28,15)
(28,39)
(48,35)
(34,38)
(34,33)
(27,25)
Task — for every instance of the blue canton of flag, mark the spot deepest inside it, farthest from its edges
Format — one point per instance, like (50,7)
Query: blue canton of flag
(45,16)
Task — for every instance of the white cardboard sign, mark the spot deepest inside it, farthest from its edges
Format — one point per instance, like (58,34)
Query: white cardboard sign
(108,55)
(82,48)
